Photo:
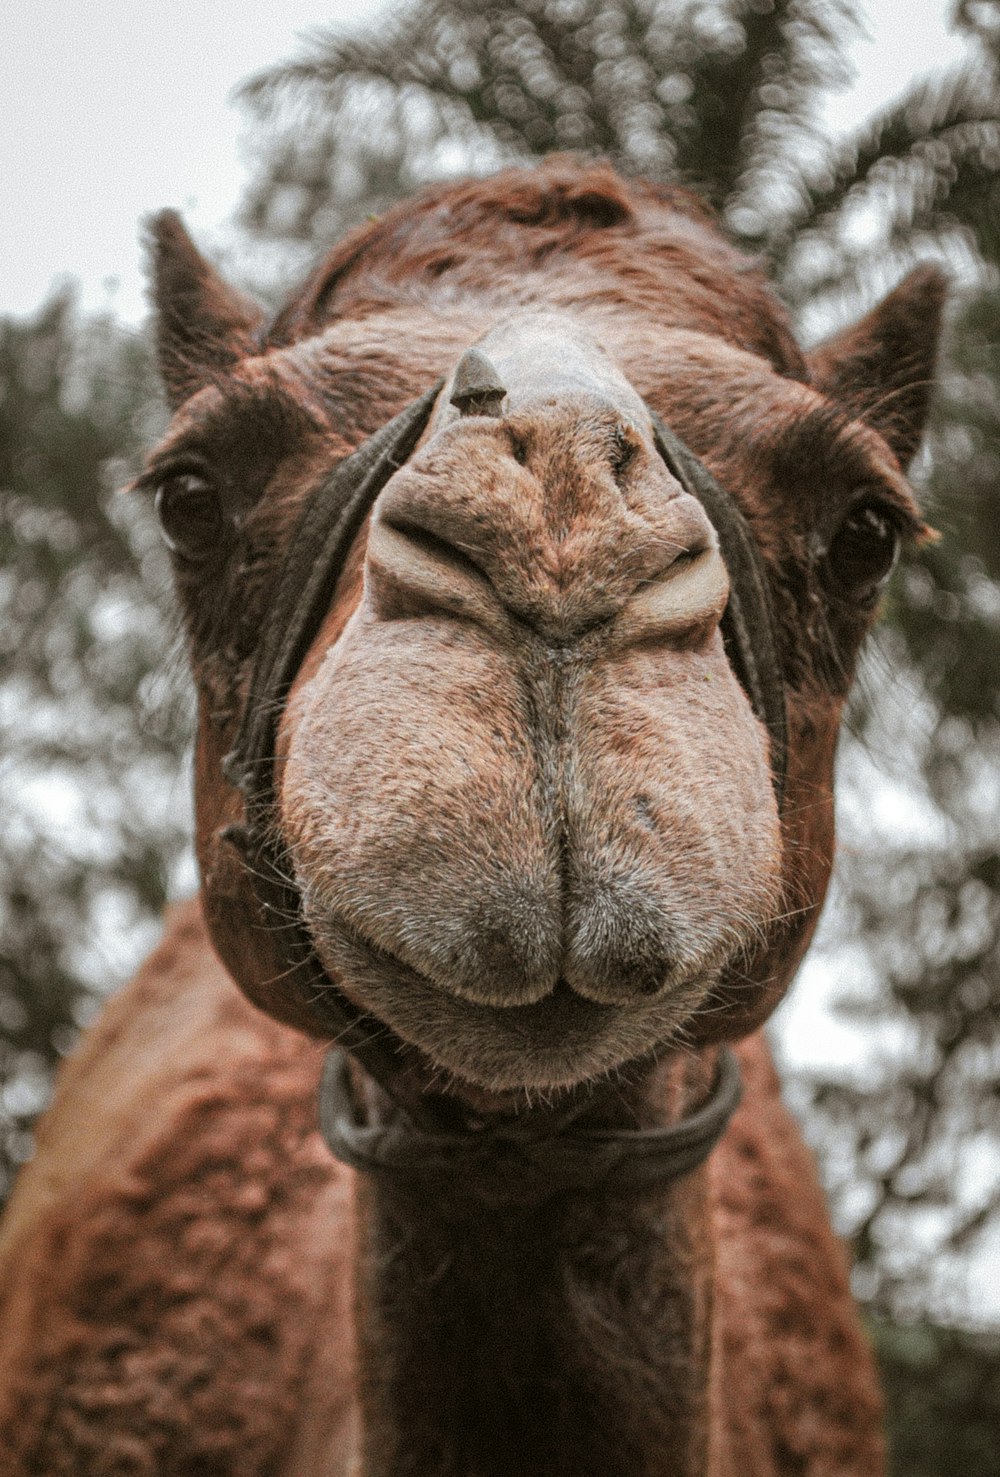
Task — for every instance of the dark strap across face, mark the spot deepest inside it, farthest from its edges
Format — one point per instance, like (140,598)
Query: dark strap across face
(313,563)
(748,626)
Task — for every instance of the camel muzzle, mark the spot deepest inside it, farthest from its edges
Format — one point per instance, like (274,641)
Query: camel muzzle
(330,520)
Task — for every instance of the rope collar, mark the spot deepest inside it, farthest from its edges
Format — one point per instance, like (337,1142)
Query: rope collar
(522,1163)
(316,554)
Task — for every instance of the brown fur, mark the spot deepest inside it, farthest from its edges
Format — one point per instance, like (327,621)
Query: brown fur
(530,813)
(175,1260)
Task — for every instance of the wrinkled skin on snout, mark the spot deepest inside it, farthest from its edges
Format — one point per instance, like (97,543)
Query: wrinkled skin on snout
(528,806)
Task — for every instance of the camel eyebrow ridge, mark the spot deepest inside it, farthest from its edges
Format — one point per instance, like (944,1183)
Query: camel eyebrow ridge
(825,437)
(246,412)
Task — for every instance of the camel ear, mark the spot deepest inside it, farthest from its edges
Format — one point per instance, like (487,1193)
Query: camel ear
(203,327)
(882,369)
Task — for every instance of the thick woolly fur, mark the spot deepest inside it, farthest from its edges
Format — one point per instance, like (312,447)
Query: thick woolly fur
(170,1257)
(531,815)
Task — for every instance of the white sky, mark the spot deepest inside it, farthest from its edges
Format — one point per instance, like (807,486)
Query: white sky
(112,109)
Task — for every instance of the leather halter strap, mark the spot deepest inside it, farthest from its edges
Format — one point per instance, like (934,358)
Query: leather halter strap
(313,563)
(748,623)
(519,1163)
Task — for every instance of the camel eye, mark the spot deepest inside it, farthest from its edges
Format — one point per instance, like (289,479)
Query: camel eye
(190,515)
(862,553)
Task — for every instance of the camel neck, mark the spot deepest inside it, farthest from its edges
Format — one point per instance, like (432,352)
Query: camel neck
(568,1338)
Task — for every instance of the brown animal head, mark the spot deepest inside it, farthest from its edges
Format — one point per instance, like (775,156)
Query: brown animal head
(526,803)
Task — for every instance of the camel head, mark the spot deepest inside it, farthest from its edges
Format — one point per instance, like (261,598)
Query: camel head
(527,806)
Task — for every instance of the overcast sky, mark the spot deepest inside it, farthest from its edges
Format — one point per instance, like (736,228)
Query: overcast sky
(113,109)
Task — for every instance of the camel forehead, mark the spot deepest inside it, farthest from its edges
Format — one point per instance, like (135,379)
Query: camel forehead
(544,358)
(595,352)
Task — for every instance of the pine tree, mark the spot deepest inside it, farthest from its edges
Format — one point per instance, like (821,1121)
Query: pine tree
(88,731)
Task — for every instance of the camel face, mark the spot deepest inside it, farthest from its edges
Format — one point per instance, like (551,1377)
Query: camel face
(527,804)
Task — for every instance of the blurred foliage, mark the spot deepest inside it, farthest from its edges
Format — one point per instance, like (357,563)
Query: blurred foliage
(89,741)
(725,95)
(943,1393)
(721,95)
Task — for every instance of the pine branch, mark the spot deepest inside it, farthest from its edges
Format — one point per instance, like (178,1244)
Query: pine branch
(921,133)
(703,92)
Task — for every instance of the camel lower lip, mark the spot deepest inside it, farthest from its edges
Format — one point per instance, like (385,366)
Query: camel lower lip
(559,1041)
(561,996)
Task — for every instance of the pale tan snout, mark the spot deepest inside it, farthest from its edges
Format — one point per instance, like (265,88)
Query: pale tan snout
(525,777)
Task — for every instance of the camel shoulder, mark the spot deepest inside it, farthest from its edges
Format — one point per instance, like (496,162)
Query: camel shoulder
(169,1255)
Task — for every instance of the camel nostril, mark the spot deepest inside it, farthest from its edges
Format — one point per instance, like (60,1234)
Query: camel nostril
(414,570)
(436,547)
(685,601)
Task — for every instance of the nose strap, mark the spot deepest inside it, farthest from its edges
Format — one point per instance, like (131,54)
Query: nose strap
(748,623)
(313,563)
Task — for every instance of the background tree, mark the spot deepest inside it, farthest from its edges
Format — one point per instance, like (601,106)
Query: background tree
(94,814)
(720,95)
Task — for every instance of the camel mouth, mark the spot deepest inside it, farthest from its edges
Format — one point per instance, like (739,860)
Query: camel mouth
(557,1041)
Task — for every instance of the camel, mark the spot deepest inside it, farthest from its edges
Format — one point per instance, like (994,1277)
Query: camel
(524,559)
